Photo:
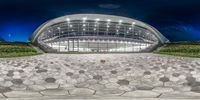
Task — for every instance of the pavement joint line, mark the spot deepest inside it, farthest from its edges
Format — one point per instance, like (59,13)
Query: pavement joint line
(94,92)
(159,95)
(4,95)
(68,92)
(41,93)
(123,93)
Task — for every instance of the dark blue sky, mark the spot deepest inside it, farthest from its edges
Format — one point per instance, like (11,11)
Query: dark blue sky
(178,20)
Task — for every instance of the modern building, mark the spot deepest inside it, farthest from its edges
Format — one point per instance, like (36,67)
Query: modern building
(97,33)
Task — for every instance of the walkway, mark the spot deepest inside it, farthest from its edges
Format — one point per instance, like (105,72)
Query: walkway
(100,76)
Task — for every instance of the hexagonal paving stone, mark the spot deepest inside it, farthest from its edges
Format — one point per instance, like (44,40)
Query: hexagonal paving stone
(81,72)
(97,77)
(36,87)
(102,61)
(112,85)
(53,92)
(21,94)
(21,71)
(51,85)
(113,72)
(127,88)
(5,89)
(41,70)
(108,92)
(164,79)
(147,73)
(181,95)
(69,73)
(176,74)
(81,91)
(144,87)
(10,73)
(163,89)
(97,87)
(82,85)
(141,94)
(196,89)
(127,69)
(50,80)
(123,82)
(17,81)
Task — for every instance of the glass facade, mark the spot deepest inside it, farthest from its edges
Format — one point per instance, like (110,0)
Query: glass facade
(97,36)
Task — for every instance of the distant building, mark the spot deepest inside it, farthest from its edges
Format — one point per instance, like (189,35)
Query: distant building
(97,33)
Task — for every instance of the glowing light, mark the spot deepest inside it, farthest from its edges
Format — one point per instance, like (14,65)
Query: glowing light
(97,19)
(120,21)
(67,19)
(133,23)
(108,20)
(84,18)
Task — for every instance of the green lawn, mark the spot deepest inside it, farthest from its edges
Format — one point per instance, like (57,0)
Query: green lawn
(181,49)
(16,50)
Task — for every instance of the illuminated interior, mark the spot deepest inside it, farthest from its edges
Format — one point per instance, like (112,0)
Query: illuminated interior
(96,35)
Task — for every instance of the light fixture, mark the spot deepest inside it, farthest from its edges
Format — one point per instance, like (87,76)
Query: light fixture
(97,19)
(58,28)
(108,26)
(84,25)
(130,28)
(70,25)
(67,19)
(84,29)
(120,21)
(108,20)
(133,23)
(84,18)
(49,31)
(95,29)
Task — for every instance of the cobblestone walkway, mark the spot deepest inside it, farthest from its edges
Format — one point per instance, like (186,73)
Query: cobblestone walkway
(77,76)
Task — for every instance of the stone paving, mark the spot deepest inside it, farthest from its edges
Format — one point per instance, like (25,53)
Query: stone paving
(143,75)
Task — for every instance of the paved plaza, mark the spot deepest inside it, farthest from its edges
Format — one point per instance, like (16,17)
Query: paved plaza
(100,76)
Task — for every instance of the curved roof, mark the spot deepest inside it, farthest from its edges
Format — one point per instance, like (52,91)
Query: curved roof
(101,17)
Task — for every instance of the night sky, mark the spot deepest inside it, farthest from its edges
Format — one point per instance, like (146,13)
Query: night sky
(178,20)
